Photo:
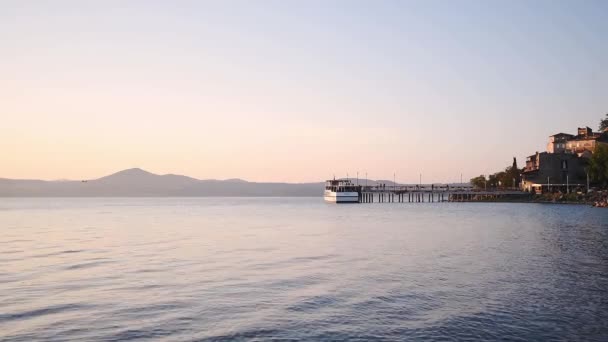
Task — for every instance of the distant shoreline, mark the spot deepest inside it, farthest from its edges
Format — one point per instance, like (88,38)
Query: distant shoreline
(320,197)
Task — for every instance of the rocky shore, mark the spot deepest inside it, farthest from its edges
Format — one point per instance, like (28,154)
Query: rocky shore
(596,198)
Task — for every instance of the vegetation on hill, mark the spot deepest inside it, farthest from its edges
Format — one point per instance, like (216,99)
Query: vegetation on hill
(598,165)
(604,123)
(509,178)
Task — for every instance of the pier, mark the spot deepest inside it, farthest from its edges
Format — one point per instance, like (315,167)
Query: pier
(433,194)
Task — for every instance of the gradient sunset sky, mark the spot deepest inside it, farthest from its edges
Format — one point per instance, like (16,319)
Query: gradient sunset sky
(294,90)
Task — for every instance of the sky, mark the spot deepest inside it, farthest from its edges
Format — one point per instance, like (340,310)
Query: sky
(294,91)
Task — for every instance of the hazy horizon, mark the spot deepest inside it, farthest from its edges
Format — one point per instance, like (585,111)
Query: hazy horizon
(294,91)
(136,172)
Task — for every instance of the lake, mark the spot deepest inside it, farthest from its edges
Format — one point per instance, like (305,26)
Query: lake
(213,269)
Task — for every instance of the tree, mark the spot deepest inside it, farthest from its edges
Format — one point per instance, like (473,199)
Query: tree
(509,178)
(598,165)
(604,123)
(479,182)
(515,172)
(504,177)
(496,179)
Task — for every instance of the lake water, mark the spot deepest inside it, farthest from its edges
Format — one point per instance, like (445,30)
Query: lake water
(183,269)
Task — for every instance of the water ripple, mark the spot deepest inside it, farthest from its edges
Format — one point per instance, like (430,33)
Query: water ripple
(88,264)
(50,310)
(300,270)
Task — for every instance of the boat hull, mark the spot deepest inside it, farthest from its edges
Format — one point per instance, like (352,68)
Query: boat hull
(341,197)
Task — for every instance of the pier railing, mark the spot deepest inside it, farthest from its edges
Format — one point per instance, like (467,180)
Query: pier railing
(433,193)
(432,188)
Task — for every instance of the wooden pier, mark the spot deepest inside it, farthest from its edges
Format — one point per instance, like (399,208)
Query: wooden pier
(432,194)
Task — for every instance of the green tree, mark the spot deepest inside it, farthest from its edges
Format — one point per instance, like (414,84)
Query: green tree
(497,180)
(508,178)
(604,123)
(479,182)
(514,173)
(598,165)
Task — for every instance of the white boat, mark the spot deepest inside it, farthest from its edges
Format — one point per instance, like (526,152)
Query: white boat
(341,191)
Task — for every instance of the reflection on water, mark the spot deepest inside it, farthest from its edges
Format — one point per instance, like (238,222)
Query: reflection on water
(297,268)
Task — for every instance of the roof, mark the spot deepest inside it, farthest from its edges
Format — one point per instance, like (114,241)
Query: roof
(603,136)
(593,136)
(537,153)
(561,134)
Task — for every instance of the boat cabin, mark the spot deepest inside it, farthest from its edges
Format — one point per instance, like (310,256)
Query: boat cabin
(341,185)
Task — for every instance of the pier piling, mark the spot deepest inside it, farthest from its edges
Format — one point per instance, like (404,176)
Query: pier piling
(420,194)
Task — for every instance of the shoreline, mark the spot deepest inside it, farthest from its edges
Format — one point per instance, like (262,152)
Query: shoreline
(595,199)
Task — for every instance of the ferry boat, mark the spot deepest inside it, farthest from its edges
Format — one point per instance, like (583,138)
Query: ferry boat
(341,191)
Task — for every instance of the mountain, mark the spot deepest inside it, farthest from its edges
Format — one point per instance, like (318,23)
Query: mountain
(140,183)
(137,182)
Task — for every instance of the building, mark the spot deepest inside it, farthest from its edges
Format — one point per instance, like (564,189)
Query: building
(554,171)
(586,140)
(562,167)
(557,142)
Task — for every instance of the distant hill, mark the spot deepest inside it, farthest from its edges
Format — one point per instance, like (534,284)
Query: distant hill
(137,182)
(140,183)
